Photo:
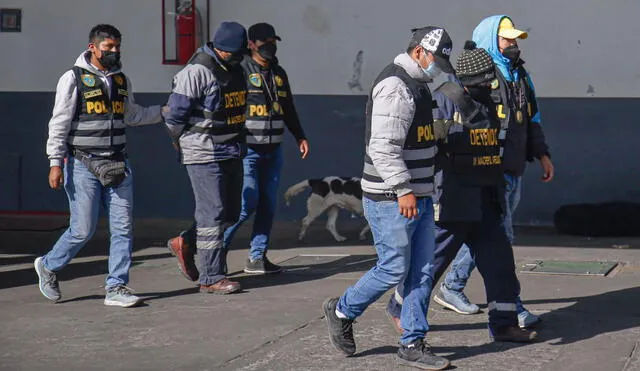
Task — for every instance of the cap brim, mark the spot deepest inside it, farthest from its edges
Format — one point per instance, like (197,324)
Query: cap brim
(512,33)
(277,38)
(444,64)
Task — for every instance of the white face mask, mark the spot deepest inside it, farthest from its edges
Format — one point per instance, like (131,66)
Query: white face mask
(432,71)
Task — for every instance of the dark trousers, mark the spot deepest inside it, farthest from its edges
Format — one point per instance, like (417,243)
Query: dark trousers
(493,255)
(217,189)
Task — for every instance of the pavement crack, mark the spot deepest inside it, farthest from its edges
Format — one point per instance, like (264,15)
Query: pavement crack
(632,356)
(270,342)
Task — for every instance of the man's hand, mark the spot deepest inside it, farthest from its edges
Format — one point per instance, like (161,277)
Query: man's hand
(547,169)
(56,179)
(407,205)
(304,148)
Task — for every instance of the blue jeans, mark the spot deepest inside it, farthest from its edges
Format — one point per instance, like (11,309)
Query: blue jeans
(217,190)
(259,195)
(405,249)
(463,264)
(86,195)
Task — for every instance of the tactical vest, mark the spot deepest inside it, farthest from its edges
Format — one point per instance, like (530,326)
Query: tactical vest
(514,108)
(226,123)
(98,123)
(419,146)
(474,149)
(265,116)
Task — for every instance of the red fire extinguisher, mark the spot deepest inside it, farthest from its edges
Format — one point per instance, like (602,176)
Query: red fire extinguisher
(185,34)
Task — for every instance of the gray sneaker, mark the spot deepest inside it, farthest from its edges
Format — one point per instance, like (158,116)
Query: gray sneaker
(47,281)
(121,296)
(455,300)
(527,319)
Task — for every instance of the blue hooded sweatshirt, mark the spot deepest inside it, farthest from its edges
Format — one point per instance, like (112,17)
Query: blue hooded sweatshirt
(485,35)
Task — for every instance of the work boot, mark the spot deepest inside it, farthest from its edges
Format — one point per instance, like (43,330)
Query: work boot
(184,253)
(222,287)
(513,334)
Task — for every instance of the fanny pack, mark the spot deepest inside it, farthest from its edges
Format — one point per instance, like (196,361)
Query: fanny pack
(110,171)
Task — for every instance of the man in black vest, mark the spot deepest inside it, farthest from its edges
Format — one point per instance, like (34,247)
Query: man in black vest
(269,109)
(397,186)
(93,106)
(470,193)
(514,94)
(206,120)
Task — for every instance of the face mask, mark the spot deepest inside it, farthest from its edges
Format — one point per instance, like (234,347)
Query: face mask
(234,60)
(268,51)
(110,60)
(512,53)
(432,71)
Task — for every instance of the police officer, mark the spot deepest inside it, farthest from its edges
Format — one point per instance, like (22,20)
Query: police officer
(470,192)
(269,109)
(514,94)
(94,104)
(206,117)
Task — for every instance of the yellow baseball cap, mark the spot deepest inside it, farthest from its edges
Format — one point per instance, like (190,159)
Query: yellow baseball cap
(508,31)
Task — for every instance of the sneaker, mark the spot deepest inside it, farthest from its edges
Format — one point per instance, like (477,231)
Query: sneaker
(261,266)
(457,301)
(179,247)
(121,296)
(513,334)
(418,354)
(47,281)
(340,329)
(527,319)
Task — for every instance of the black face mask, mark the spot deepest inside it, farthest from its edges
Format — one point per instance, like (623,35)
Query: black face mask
(480,93)
(512,53)
(268,51)
(110,60)
(234,60)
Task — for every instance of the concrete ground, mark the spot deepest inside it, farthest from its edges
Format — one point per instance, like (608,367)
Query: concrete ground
(589,322)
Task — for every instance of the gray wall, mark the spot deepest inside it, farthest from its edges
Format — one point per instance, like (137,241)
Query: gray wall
(593,143)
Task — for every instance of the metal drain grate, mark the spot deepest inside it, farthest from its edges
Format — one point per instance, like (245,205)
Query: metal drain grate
(569,268)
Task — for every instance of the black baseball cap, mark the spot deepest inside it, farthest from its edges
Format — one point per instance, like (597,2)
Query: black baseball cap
(437,41)
(262,31)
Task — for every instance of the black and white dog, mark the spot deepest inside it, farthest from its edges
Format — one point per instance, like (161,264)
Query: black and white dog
(329,194)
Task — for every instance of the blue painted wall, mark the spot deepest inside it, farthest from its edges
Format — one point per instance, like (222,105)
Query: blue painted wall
(593,143)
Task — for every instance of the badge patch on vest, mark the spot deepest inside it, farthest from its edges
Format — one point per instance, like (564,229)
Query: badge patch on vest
(282,94)
(279,80)
(277,107)
(123,92)
(88,80)
(495,84)
(118,79)
(92,93)
(255,79)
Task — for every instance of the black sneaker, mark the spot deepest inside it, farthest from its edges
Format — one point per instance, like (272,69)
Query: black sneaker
(340,330)
(512,334)
(261,266)
(418,354)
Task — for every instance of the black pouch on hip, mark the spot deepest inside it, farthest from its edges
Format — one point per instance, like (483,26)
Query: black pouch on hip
(110,171)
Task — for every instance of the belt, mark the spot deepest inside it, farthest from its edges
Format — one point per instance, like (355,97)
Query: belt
(387,196)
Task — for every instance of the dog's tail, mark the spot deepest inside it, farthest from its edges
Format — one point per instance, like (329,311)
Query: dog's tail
(294,190)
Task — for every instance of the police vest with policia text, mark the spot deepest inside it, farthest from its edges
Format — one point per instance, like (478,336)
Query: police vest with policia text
(265,115)
(98,123)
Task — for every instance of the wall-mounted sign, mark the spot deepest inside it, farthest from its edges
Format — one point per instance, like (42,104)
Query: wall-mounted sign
(10,20)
